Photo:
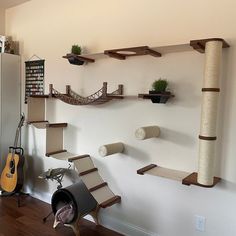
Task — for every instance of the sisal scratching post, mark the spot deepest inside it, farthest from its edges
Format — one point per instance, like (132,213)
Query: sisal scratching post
(110,149)
(213,51)
(147,132)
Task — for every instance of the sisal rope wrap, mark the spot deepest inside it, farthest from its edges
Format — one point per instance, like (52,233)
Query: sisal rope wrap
(147,132)
(110,149)
(209,112)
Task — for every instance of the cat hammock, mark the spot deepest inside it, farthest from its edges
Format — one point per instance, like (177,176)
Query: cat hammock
(99,97)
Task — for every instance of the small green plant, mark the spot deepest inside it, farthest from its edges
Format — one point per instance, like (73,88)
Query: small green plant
(76,49)
(159,85)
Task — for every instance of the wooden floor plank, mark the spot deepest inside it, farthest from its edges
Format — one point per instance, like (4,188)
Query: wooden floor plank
(27,220)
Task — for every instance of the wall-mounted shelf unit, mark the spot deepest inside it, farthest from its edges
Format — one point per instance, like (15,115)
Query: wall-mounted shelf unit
(212,48)
(99,97)
(84,165)
(124,53)
(71,97)
(158,97)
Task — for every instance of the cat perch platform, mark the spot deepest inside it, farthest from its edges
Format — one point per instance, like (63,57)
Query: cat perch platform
(110,149)
(147,132)
(99,97)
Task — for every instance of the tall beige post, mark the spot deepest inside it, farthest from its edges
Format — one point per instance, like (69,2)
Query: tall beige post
(207,137)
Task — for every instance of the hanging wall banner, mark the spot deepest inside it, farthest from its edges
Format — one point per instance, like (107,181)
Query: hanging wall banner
(34,78)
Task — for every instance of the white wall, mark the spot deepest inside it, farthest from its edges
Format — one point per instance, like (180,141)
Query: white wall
(151,204)
(2,21)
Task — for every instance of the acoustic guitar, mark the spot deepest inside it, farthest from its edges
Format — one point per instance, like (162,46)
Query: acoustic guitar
(12,176)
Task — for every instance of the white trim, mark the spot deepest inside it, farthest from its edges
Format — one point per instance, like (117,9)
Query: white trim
(45,197)
(122,227)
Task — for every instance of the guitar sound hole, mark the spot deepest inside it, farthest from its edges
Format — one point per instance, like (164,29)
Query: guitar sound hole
(12,167)
(12,164)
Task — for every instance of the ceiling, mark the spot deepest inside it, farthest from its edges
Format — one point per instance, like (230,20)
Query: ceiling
(11,3)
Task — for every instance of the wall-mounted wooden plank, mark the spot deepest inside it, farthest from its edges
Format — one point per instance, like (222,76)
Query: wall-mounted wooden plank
(163,172)
(192,179)
(88,171)
(48,154)
(98,187)
(110,202)
(78,157)
(57,125)
(145,169)
(200,44)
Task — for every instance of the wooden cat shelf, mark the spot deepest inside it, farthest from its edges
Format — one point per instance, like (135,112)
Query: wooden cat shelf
(99,97)
(124,53)
(185,178)
(71,97)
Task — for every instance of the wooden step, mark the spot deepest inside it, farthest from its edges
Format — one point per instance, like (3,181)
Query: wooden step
(111,201)
(92,179)
(56,125)
(39,96)
(78,157)
(192,179)
(37,121)
(145,169)
(88,172)
(56,152)
(98,187)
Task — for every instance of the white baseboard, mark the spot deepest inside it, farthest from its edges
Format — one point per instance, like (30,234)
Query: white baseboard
(124,227)
(107,221)
(45,197)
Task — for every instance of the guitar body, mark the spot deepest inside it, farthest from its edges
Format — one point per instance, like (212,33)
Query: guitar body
(12,177)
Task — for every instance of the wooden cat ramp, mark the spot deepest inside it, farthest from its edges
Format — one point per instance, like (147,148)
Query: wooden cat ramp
(84,165)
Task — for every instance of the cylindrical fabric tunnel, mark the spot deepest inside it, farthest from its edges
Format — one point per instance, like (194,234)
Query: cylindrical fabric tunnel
(213,54)
(110,149)
(147,132)
(78,196)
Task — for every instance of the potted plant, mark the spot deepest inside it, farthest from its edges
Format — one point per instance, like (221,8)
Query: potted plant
(75,51)
(159,88)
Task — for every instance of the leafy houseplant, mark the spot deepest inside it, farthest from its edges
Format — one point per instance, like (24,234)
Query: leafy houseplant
(75,50)
(159,88)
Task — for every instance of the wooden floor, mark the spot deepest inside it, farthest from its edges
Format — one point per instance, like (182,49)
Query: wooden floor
(27,220)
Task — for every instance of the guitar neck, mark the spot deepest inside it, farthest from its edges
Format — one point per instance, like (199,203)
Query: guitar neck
(18,130)
(16,137)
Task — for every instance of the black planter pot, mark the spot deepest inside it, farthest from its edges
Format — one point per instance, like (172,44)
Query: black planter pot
(160,97)
(75,61)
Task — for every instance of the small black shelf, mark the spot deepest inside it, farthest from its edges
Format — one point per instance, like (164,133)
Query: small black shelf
(77,59)
(157,97)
